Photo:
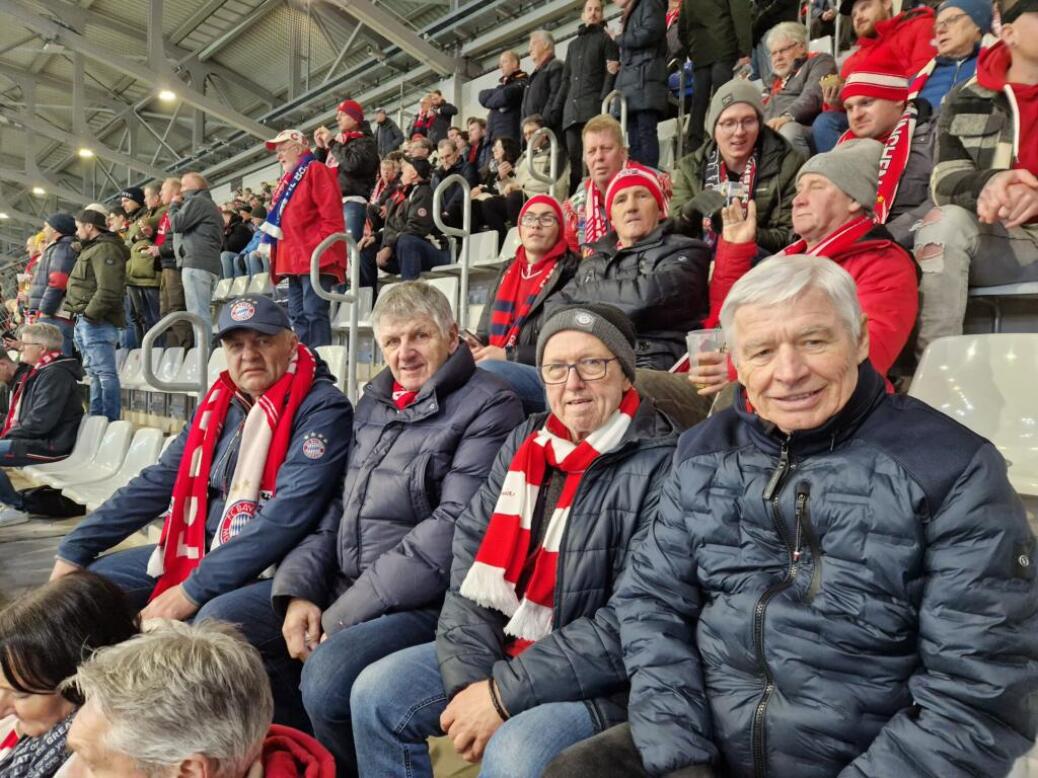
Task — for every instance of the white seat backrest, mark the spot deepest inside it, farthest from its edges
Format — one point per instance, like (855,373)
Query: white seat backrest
(260,284)
(120,358)
(335,356)
(167,443)
(483,248)
(987,383)
(449,286)
(142,452)
(222,290)
(342,314)
(217,364)
(510,246)
(239,286)
(169,366)
(156,361)
(188,372)
(89,438)
(131,369)
(111,452)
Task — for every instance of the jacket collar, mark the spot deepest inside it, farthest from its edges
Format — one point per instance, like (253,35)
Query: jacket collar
(869,392)
(452,375)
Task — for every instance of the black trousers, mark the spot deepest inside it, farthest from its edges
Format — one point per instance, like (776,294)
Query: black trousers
(705,81)
(575,151)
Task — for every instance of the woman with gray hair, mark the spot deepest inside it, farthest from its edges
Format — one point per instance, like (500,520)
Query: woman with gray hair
(371,579)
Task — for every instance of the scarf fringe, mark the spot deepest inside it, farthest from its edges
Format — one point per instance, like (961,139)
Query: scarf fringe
(486,586)
(530,622)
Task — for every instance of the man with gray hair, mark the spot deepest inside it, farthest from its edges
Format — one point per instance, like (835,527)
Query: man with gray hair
(184,700)
(543,93)
(795,95)
(44,410)
(197,227)
(838,581)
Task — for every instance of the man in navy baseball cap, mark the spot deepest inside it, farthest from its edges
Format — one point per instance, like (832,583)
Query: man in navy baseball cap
(252,312)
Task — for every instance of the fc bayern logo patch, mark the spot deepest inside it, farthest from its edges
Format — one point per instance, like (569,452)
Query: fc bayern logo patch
(236,518)
(242,310)
(314,446)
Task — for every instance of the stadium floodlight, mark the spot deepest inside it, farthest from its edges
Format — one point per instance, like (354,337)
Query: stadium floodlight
(167,95)
(39,191)
(86,153)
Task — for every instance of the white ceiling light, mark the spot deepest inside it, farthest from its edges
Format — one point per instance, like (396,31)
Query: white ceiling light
(167,95)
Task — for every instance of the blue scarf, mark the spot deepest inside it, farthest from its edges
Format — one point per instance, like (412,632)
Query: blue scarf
(271,228)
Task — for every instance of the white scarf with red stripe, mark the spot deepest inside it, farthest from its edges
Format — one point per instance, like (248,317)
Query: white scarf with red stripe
(15,409)
(264,442)
(503,553)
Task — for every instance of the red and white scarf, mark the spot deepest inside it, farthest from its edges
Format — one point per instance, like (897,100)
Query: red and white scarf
(504,551)
(836,242)
(264,442)
(403,398)
(331,160)
(15,409)
(596,220)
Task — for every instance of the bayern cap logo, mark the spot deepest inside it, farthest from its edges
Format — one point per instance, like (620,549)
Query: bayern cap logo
(242,310)
(584,319)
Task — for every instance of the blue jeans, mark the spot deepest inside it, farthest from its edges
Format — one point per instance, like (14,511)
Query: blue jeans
(310,315)
(198,293)
(96,342)
(68,347)
(128,337)
(397,703)
(641,134)
(524,381)
(145,305)
(827,128)
(8,494)
(354,214)
(227,264)
(330,672)
(413,255)
(254,263)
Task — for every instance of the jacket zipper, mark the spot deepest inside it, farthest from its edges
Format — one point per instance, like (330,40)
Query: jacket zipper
(804,525)
(771,494)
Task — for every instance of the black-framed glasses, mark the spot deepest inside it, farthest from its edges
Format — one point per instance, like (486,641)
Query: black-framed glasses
(590,369)
(533,219)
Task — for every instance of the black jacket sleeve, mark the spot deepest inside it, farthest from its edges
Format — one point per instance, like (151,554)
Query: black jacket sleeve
(49,395)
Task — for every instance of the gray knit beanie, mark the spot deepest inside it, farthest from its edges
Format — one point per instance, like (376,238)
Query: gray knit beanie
(738,90)
(852,167)
(605,322)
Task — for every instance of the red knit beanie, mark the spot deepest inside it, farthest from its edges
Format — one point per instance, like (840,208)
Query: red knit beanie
(632,176)
(880,76)
(543,199)
(352,109)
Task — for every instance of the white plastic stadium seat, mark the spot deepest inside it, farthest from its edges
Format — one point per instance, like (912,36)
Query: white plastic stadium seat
(449,286)
(510,246)
(143,451)
(87,441)
(106,461)
(483,248)
(169,365)
(222,290)
(987,382)
(239,286)
(217,364)
(261,284)
(130,371)
(335,356)
(341,320)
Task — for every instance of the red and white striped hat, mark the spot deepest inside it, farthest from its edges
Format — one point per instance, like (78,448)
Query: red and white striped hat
(881,77)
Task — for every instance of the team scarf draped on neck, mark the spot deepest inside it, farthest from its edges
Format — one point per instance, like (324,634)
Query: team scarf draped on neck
(423,122)
(504,550)
(15,409)
(286,187)
(509,313)
(596,220)
(403,398)
(265,436)
(715,176)
(836,242)
(343,137)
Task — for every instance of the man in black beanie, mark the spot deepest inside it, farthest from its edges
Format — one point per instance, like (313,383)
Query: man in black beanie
(50,276)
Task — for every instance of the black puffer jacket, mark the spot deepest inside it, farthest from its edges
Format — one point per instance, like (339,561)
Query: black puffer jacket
(580,660)
(385,546)
(541,92)
(585,80)
(358,163)
(50,276)
(525,349)
(643,57)
(51,409)
(410,216)
(902,639)
(660,283)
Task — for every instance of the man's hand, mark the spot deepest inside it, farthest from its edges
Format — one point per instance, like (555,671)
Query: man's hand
(366,241)
(480,353)
(831,91)
(153,250)
(1024,208)
(171,604)
(709,372)
(1001,196)
(778,122)
(613,66)
(740,224)
(470,720)
(828,14)
(61,569)
(302,628)
(383,256)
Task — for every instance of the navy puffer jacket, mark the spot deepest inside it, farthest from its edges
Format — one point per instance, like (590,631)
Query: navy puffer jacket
(856,600)
(580,659)
(386,545)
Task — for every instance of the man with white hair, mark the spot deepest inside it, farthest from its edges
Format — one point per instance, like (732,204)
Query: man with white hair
(543,95)
(795,96)
(838,580)
(187,701)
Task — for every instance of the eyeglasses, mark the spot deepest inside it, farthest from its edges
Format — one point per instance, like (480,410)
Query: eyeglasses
(544,220)
(591,369)
(731,125)
(784,49)
(944,24)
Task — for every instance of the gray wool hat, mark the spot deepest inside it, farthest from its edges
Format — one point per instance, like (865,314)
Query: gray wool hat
(738,90)
(852,167)
(605,322)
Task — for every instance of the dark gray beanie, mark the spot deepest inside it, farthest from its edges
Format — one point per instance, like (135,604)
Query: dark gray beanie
(852,167)
(605,322)
(738,90)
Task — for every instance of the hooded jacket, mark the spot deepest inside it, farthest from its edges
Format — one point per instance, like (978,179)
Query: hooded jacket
(643,57)
(313,213)
(197,231)
(504,104)
(97,282)
(50,276)
(908,37)
(305,485)
(858,599)
(385,545)
(580,659)
(51,409)
(660,283)
(585,80)
(357,162)
(773,192)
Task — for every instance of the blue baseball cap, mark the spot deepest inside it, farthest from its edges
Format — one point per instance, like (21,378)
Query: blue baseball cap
(252,312)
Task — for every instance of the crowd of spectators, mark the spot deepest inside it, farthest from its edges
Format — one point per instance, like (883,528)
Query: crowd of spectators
(559,538)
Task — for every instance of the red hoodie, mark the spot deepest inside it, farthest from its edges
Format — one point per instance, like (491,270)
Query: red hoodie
(289,753)
(992,66)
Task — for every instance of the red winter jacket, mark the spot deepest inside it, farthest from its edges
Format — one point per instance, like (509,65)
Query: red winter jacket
(313,213)
(289,753)
(888,289)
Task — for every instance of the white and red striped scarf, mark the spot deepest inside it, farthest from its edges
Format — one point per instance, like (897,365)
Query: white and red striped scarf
(504,551)
(15,409)
(596,220)
(264,442)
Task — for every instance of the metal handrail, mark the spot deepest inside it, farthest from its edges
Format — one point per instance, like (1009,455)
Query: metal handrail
(836,36)
(464,233)
(203,340)
(353,298)
(553,162)
(607,105)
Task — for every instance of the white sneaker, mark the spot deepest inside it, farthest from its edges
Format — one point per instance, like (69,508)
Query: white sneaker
(9,517)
